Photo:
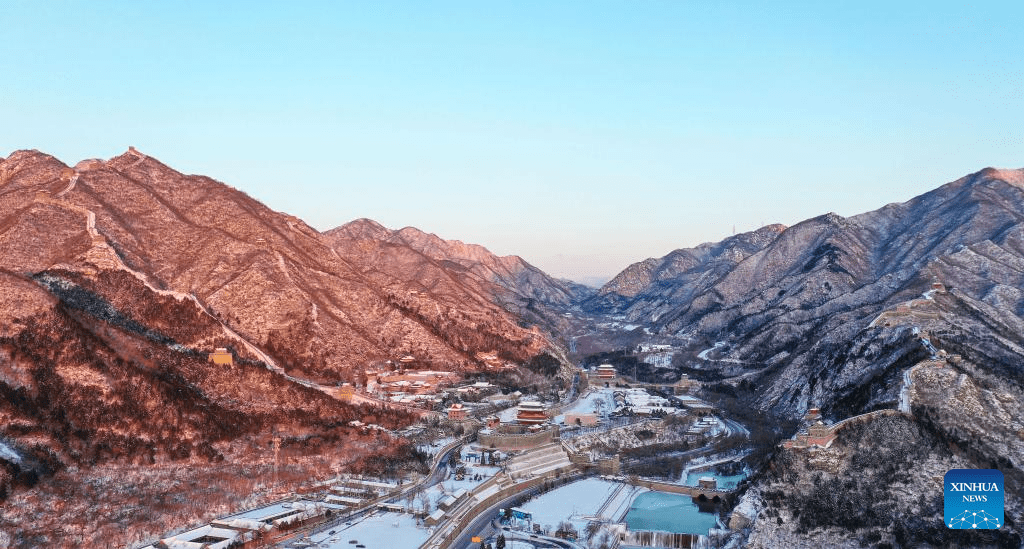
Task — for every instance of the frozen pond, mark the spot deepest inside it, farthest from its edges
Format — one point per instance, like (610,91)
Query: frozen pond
(668,513)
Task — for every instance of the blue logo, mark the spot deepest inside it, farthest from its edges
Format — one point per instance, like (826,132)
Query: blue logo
(974,499)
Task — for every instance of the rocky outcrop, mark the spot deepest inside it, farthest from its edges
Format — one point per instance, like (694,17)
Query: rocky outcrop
(879,483)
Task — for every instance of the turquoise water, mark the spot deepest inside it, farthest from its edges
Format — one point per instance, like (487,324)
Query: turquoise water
(725,482)
(668,513)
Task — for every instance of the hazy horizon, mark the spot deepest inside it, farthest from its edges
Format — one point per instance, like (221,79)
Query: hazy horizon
(582,137)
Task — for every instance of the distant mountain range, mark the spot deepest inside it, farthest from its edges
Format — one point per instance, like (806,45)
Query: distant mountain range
(791,307)
(425,262)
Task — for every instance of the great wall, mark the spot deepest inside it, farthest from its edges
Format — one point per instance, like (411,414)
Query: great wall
(819,435)
(103,256)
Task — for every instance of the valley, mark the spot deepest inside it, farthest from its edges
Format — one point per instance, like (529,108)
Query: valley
(181,365)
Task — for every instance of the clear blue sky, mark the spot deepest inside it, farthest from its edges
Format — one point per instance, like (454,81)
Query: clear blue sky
(580,135)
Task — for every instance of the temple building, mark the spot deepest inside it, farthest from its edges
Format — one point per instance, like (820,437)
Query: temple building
(457,412)
(684,386)
(531,412)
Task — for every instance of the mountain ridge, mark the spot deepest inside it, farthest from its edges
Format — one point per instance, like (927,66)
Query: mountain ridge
(831,275)
(510,272)
(218,220)
(119,275)
(112,247)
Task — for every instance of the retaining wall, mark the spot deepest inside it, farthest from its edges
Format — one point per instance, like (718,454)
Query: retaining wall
(517,442)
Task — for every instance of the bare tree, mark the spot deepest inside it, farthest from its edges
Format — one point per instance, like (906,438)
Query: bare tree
(424,498)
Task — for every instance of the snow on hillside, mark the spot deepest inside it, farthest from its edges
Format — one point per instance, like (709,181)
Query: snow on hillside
(8,453)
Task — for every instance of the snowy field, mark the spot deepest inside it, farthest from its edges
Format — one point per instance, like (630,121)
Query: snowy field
(603,400)
(8,453)
(434,447)
(659,360)
(572,502)
(595,401)
(377,531)
(639,399)
(514,544)
(508,415)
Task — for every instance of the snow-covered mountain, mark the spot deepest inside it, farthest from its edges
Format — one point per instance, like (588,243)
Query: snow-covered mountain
(915,310)
(793,306)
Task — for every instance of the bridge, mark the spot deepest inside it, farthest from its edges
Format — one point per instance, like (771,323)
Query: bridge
(692,491)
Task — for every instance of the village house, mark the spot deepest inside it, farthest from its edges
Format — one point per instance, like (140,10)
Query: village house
(708,483)
(457,412)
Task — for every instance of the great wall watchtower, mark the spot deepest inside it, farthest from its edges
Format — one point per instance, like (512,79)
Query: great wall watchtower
(221,356)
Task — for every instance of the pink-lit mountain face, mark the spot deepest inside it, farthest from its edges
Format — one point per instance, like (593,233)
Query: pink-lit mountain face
(453,270)
(267,276)
(117,278)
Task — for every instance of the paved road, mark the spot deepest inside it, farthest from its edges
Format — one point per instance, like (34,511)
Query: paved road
(483,525)
(736,427)
(435,476)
